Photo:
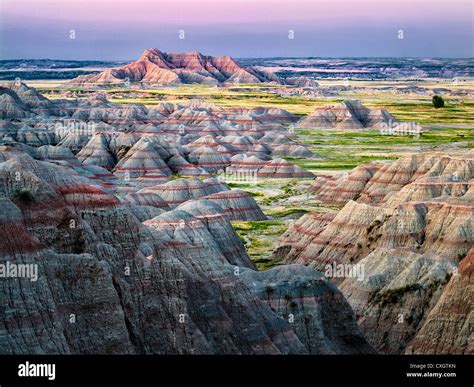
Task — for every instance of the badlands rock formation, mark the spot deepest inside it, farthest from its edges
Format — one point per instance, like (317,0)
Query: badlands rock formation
(173,282)
(178,191)
(448,327)
(237,205)
(276,287)
(304,82)
(252,168)
(130,231)
(126,211)
(351,114)
(157,68)
(409,225)
(146,146)
(279,168)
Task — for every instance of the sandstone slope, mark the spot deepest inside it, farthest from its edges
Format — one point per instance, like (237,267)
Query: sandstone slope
(409,224)
(178,283)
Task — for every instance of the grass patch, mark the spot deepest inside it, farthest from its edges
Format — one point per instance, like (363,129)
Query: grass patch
(288,212)
(259,239)
(254,225)
(240,185)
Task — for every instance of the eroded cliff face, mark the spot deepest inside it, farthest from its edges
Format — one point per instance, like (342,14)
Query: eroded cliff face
(449,325)
(408,225)
(130,275)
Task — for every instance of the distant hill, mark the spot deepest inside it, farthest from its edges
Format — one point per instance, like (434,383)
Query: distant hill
(160,68)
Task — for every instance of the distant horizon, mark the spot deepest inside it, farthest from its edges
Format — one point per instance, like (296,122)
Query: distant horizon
(109,30)
(248,57)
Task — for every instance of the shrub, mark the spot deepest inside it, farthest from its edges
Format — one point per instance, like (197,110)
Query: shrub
(438,102)
(23,195)
(392,296)
(375,223)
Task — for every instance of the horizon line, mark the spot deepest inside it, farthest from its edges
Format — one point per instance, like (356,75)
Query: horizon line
(257,57)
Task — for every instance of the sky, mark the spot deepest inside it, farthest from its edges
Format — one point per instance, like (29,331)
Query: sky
(121,29)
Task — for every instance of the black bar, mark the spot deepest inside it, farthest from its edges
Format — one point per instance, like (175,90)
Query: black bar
(290,370)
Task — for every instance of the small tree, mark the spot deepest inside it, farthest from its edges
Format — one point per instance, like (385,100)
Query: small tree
(438,102)
(23,195)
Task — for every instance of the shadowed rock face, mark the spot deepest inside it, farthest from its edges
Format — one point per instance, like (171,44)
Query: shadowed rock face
(159,68)
(410,225)
(316,307)
(180,282)
(214,217)
(12,106)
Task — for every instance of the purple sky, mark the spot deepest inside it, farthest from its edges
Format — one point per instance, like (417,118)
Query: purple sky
(120,29)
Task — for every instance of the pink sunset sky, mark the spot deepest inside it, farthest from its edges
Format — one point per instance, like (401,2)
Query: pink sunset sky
(119,29)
